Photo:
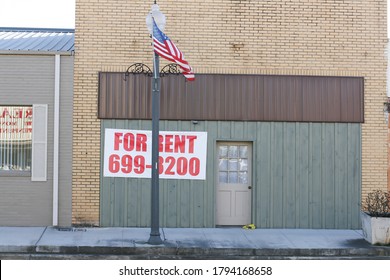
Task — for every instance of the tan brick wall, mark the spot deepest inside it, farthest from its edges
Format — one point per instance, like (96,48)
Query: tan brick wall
(299,37)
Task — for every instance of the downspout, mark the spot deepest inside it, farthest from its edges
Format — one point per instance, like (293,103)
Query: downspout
(387,113)
(387,57)
(57,78)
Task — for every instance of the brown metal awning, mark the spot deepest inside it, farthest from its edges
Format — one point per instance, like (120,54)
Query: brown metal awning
(235,98)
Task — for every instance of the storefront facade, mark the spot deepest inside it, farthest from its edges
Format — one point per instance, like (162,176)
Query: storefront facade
(36,89)
(290,95)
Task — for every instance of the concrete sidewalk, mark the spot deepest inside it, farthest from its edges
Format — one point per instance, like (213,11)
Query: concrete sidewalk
(185,243)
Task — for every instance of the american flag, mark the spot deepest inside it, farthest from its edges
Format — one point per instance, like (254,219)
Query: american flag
(165,48)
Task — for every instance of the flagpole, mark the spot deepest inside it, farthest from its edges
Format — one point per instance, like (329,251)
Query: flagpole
(155,22)
(155,238)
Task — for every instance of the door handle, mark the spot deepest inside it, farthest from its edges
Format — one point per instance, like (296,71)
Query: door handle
(249,187)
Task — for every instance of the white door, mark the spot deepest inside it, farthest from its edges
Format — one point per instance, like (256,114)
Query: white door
(234,191)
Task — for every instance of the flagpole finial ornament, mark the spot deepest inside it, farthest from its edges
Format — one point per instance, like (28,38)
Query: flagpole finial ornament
(158,17)
(155,8)
(163,46)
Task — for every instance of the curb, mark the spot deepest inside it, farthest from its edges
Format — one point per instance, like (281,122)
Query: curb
(169,251)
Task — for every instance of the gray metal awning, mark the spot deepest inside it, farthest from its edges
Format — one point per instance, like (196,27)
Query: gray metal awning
(36,40)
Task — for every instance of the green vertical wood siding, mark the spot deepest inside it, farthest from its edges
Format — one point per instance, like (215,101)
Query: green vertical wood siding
(305,175)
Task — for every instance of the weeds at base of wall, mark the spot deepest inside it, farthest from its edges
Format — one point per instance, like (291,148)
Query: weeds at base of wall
(83,223)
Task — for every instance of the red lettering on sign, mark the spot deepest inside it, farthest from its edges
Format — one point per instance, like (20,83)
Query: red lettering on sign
(180,166)
(16,113)
(194,166)
(5,113)
(113,163)
(191,143)
(176,143)
(117,140)
(171,165)
(139,164)
(180,143)
(9,123)
(141,142)
(130,141)
(29,113)
(126,164)
(168,143)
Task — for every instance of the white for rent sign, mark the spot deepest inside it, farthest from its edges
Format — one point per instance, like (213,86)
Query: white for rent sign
(128,153)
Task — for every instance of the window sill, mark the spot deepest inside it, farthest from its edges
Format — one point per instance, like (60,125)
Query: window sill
(15,173)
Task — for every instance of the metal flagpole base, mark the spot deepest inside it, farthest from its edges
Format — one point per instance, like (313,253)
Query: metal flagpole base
(155,239)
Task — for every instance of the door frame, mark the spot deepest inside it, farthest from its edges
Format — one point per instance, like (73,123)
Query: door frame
(250,174)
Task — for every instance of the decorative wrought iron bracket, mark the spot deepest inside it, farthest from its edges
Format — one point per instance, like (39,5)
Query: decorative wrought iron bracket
(169,69)
(140,68)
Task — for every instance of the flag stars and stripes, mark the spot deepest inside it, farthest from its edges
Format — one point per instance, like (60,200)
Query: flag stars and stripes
(165,48)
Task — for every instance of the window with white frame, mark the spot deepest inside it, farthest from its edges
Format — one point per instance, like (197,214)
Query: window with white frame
(15,138)
(23,141)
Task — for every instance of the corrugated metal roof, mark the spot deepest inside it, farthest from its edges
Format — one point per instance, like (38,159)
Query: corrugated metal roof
(36,39)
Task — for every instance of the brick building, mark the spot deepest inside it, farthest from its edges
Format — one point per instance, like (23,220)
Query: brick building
(318,147)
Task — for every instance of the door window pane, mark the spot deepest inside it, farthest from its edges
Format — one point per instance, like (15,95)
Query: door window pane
(223,151)
(233,152)
(233,164)
(243,164)
(243,151)
(243,177)
(223,164)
